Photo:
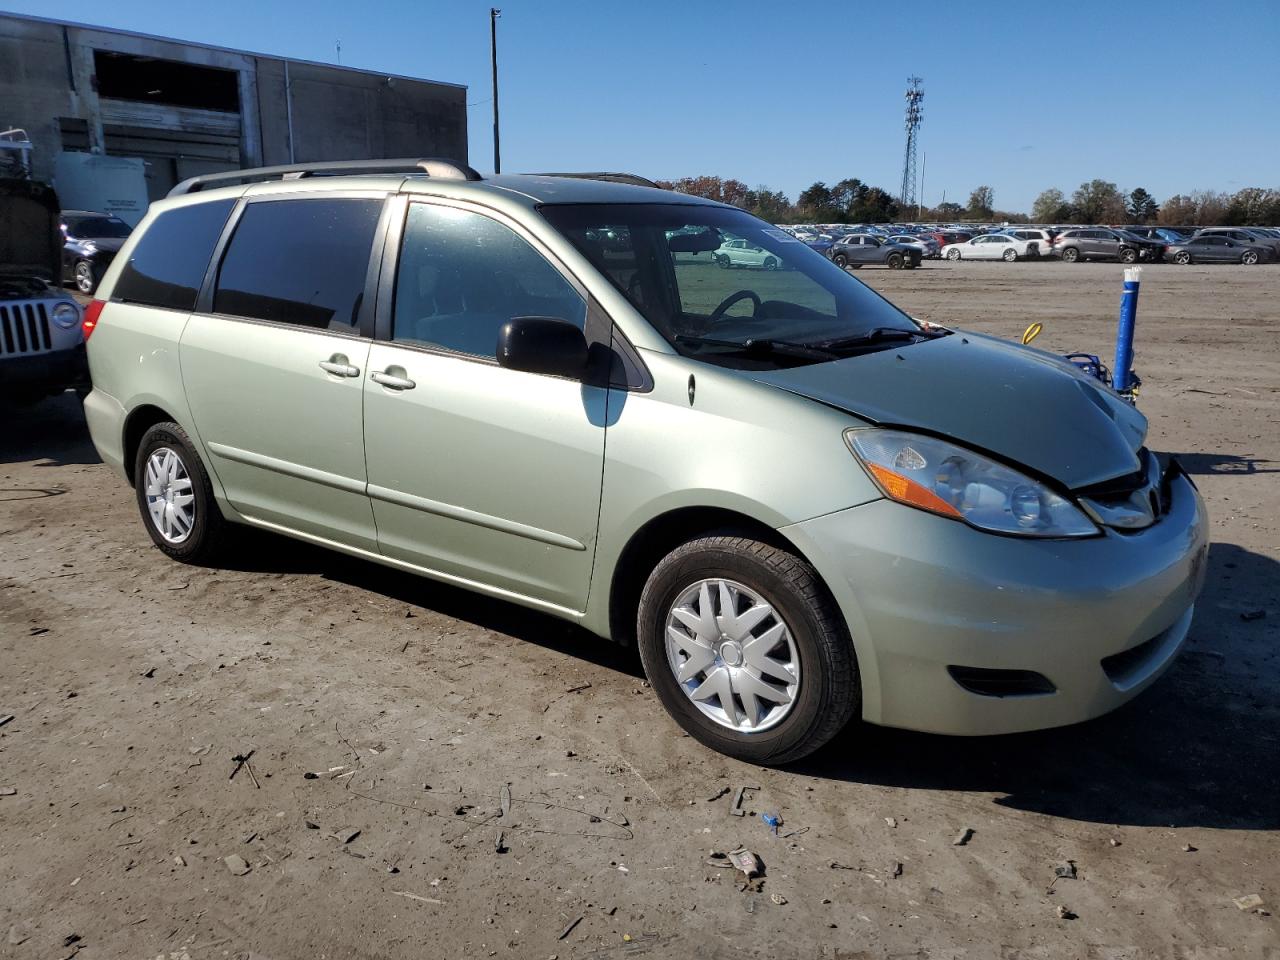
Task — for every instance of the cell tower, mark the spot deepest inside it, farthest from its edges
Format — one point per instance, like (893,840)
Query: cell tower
(915,113)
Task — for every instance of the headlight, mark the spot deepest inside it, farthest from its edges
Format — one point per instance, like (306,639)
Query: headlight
(953,482)
(66,315)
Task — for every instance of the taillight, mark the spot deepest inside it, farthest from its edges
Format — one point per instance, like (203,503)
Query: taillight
(90,321)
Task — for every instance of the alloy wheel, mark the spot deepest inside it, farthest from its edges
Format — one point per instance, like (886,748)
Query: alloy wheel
(733,655)
(170,498)
(84,276)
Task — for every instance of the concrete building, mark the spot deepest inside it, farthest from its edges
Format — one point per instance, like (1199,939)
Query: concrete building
(189,108)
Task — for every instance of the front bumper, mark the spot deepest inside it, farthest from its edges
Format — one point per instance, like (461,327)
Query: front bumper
(36,374)
(923,594)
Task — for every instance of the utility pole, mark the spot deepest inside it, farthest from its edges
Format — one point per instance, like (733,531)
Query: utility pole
(494,14)
(924,162)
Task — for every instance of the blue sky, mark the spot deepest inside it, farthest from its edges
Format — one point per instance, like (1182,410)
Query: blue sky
(1172,96)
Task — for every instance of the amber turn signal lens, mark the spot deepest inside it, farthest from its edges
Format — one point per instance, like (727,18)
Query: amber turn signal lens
(911,493)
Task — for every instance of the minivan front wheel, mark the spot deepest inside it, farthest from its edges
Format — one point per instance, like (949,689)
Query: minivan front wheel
(747,650)
(175,496)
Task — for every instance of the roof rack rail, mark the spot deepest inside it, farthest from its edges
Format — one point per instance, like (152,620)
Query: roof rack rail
(631,178)
(441,169)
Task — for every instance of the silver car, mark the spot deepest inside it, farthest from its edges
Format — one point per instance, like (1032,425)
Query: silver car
(801,505)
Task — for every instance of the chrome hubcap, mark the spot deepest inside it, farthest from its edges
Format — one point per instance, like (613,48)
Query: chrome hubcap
(733,655)
(170,497)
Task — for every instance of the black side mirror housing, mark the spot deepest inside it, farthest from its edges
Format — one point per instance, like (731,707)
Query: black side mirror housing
(545,345)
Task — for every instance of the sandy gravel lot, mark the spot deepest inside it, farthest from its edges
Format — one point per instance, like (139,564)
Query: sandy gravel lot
(134,681)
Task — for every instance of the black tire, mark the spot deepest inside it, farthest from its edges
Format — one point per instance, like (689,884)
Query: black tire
(770,263)
(85,276)
(1128,255)
(209,531)
(1182,257)
(840,260)
(1071,254)
(953,254)
(1249,257)
(829,694)
(894,261)
(722,262)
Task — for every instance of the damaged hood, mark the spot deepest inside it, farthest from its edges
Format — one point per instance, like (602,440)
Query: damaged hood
(30,235)
(1023,405)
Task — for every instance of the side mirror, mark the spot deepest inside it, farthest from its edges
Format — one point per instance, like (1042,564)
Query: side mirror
(543,345)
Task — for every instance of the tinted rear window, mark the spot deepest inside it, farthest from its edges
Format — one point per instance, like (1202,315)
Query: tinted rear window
(299,261)
(169,261)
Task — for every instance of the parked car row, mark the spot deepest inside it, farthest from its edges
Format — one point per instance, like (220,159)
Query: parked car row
(1070,243)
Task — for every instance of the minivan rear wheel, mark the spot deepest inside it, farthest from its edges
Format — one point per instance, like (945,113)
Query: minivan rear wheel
(747,650)
(175,496)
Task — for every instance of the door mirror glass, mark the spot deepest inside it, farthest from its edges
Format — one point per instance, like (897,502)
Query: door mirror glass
(543,345)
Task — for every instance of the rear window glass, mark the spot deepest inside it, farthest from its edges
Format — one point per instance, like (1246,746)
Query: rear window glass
(301,262)
(169,261)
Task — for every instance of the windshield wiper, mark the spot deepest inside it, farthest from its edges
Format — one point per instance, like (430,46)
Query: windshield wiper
(766,347)
(873,336)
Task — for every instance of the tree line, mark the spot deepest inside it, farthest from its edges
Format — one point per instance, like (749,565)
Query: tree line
(1097,201)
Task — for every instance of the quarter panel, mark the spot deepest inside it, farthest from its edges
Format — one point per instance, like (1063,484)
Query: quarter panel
(134,362)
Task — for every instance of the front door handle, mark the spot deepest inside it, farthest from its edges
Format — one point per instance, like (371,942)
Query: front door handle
(393,378)
(339,366)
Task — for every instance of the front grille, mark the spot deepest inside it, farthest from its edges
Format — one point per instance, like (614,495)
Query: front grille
(1133,502)
(24,329)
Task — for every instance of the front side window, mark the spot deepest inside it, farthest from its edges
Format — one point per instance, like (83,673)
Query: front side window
(301,262)
(168,263)
(463,275)
(788,295)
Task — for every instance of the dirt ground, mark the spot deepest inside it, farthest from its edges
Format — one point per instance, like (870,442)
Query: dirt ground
(134,681)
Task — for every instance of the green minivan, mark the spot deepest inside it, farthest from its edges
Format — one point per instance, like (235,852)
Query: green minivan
(800,504)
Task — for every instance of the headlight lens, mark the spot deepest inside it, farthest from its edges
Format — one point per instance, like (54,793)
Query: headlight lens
(66,315)
(953,482)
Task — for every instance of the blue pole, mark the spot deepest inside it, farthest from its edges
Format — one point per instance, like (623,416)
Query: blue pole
(1121,372)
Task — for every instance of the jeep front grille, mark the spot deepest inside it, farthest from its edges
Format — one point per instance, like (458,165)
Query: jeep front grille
(24,329)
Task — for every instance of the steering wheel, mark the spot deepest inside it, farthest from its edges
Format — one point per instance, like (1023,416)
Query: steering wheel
(730,300)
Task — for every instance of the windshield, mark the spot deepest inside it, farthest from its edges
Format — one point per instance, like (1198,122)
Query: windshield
(711,279)
(97,227)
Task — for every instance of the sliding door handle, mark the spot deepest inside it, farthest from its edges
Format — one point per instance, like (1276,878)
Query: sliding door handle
(393,378)
(339,366)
